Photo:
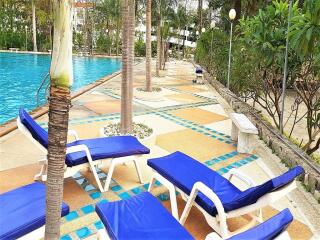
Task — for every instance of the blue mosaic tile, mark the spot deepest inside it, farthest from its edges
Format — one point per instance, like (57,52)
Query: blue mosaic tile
(103,201)
(210,163)
(83,232)
(95,195)
(89,188)
(80,181)
(77,175)
(163,197)
(243,161)
(224,170)
(87,209)
(66,237)
(229,167)
(136,190)
(146,186)
(102,175)
(236,164)
(116,188)
(71,216)
(98,225)
(254,157)
(124,195)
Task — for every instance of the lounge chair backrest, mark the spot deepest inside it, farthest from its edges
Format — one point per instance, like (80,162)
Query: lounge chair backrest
(269,229)
(37,132)
(251,195)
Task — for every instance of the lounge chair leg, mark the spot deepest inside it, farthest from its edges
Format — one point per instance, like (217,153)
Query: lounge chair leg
(109,176)
(136,164)
(42,175)
(172,193)
(151,183)
(173,202)
(103,235)
(96,177)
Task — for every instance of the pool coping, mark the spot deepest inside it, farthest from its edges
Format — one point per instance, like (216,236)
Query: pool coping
(11,125)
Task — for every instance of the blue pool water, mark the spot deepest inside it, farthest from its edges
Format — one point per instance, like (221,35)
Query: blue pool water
(21,75)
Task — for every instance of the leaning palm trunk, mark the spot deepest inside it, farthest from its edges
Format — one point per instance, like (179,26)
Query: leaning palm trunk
(148,46)
(158,65)
(34,27)
(59,102)
(128,16)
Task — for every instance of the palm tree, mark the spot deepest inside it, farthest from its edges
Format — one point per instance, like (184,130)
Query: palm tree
(148,46)
(200,3)
(61,76)
(158,64)
(34,26)
(128,32)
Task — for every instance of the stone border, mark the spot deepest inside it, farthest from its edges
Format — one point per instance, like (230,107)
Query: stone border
(289,153)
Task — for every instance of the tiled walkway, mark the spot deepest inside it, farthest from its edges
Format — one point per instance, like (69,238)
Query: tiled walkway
(187,117)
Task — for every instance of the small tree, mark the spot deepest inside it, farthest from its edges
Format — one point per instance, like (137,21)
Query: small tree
(305,36)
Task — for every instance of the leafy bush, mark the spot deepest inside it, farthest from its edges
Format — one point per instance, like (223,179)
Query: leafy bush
(140,48)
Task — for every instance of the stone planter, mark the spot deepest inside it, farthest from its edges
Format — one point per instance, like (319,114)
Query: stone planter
(149,140)
(154,96)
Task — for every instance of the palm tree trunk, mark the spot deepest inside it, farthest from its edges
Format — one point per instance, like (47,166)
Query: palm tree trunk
(158,64)
(34,27)
(148,46)
(128,8)
(200,23)
(59,102)
(117,37)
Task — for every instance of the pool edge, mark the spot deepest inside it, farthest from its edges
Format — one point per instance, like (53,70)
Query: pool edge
(11,125)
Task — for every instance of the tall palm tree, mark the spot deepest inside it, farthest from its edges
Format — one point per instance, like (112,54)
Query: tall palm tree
(158,64)
(200,20)
(34,26)
(61,77)
(128,32)
(148,46)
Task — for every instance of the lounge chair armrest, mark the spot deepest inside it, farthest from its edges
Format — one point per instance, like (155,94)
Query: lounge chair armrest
(80,148)
(213,236)
(199,186)
(73,133)
(244,178)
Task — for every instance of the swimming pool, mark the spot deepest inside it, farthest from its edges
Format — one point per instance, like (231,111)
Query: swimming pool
(21,76)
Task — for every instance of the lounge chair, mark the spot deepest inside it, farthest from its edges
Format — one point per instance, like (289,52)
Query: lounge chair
(87,152)
(144,217)
(215,196)
(23,210)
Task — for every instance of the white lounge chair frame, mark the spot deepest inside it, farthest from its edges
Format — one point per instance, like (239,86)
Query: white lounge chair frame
(70,171)
(219,222)
(35,234)
(214,236)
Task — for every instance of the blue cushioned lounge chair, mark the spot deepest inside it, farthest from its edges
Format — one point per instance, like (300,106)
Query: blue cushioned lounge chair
(22,214)
(87,152)
(144,217)
(215,196)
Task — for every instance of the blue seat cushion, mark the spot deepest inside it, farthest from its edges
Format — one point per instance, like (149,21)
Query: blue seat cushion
(23,210)
(37,132)
(267,230)
(184,171)
(107,147)
(100,148)
(140,217)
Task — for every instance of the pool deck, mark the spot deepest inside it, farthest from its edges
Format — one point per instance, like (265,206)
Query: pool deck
(187,117)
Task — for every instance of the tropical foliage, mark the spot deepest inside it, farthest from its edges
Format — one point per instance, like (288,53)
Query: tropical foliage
(258,61)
